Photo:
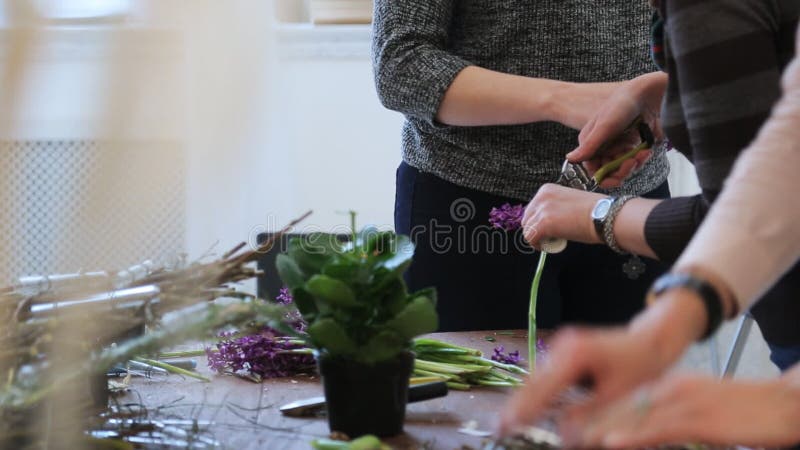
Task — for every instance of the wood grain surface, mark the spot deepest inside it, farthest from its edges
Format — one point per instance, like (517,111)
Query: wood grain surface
(245,414)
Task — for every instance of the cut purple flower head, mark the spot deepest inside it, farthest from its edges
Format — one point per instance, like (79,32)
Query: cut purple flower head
(541,346)
(294,318)
(265,355)
(507,217)
(284,296)
(505,358)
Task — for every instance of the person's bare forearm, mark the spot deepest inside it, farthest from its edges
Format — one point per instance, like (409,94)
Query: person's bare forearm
(629,226)
(671,325)
(480,97)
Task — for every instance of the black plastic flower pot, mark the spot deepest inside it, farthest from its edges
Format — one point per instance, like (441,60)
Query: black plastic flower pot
(366,399)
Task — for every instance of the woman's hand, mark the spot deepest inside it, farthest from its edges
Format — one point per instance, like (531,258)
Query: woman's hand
(638,97)
(682,409)
(614,361)
(560,212)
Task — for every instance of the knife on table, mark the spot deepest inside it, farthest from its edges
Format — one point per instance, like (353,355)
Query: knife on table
(314,405)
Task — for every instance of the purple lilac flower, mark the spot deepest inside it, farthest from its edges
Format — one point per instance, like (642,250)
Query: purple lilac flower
(284,297)
(507,217)
(505,358)
(265,355)
(294,318)
(541,347)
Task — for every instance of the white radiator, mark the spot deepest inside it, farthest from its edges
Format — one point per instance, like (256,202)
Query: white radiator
(76,205)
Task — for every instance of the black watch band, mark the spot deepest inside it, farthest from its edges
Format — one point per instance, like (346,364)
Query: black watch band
(710,297)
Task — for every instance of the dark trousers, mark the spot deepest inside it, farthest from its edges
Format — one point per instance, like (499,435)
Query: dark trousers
(483,276)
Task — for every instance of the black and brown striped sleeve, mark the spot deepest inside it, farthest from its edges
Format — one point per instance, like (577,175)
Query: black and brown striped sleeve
(724,59)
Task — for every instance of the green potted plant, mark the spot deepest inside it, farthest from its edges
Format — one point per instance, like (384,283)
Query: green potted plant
(361,320)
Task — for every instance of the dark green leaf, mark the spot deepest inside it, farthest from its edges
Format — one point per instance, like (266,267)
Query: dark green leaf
(289,271)
(304,302)
(402,252)
(324,243)
(394,298)
(367,234)
(347,270)
(379,243)
(327,334)
(384,346)
(331,291)
(428,292)
(418,317)
(312,252)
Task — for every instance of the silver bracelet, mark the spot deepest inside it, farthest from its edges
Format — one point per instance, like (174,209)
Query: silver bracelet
(608,225)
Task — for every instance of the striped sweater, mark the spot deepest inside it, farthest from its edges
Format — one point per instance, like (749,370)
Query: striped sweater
(724,59)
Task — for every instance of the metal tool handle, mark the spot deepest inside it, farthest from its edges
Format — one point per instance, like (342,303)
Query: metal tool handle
(427,391)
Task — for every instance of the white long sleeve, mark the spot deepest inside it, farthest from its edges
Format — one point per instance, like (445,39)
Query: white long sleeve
(752,234)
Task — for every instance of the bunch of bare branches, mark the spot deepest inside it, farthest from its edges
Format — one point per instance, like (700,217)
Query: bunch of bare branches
(59,332)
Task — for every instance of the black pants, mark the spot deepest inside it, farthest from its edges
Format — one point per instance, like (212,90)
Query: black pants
(483,276)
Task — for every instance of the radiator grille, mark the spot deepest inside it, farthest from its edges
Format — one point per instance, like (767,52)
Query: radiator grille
(84,205)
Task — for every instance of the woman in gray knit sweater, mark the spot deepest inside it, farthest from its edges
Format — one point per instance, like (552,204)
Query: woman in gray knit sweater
(492,92)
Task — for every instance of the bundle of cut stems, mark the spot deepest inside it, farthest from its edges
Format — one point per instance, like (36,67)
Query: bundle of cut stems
(462,367)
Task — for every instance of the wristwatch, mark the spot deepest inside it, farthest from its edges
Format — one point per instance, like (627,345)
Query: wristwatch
(599,215)
(603,215)
(704,290)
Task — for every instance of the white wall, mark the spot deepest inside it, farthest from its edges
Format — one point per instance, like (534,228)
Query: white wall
(274,119)
(308,134)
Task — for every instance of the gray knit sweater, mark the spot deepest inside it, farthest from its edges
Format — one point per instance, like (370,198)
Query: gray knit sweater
(419,46)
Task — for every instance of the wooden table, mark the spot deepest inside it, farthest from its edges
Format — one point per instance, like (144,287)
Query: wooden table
(245,415)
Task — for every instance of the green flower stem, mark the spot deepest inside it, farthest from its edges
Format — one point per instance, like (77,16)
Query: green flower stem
(532,312)
(426,342)
(611,167)
(474,360)
(367,442)
(417,380)
(458,386)
(172,369)
(503,377)
(435,366)
(428,373)
(183,354)
(442,351)
(458,359)
(353,233)
(509,367)
(470,367)
(496,383)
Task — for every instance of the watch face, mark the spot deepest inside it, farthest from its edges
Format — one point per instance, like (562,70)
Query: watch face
(601,209)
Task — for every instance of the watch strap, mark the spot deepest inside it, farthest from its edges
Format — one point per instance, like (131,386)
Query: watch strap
(608,223)
(707,293)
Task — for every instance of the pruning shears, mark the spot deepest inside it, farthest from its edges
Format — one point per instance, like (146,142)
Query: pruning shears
(575,176)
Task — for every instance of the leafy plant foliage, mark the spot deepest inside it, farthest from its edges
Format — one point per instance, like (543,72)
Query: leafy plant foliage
(353,296)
